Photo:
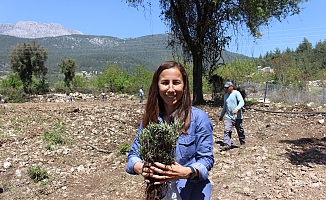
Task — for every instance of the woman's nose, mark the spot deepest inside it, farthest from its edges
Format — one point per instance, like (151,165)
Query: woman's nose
(170,88)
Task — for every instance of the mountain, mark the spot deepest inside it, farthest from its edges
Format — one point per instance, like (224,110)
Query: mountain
(91,53)
(31,29)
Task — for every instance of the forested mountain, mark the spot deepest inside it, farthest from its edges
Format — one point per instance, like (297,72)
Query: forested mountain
(93,53)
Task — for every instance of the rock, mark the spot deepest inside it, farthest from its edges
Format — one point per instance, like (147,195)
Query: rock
(6,165)
(18,173)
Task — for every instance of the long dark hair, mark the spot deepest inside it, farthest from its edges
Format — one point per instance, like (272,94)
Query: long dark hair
(155,104)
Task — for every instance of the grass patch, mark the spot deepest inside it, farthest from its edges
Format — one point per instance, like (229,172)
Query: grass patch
(123,149)
(316,90)
(55,137)
(250,102)
(38,173)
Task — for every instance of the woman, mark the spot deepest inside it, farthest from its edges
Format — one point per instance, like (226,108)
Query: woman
(168,99)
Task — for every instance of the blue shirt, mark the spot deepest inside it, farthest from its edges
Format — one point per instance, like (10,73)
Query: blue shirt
(233,101)
(194,149)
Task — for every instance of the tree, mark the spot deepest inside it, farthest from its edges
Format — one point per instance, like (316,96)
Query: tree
(141,77)
(79,82)
(203,28)
(320,59)
(114,79)
(28,60)
(243,69)
(304,53)
(68,68)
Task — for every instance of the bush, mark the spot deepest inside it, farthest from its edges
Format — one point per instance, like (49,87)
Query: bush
(37,173)
(11,95)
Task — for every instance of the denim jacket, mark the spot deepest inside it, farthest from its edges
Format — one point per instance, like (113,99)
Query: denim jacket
(194,149)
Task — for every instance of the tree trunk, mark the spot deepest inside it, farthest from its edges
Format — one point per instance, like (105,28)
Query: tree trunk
(197,79)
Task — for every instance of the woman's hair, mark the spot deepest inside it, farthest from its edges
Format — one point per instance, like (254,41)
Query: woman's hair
(155,103)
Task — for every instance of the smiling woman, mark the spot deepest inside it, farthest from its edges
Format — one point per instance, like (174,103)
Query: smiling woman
(170,86)
(169,101)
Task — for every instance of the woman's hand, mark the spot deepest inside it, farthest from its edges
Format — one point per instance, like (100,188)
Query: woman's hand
(163,173)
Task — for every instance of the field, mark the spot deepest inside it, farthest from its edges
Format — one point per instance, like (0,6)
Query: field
(82,146)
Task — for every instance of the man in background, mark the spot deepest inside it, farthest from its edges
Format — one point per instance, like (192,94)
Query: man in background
(141,95)
(233,102)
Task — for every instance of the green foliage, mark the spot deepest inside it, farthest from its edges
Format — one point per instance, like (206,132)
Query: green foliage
(113,79)
(204,32)
(140,78)
(12,81)
(37,173)
(68,68)
(250,102)
(296,67)
(207,87)
(148,51)
(39,86)
(11,95)
(157,144)
(54,136)
(158,141)
(287,68)
(316,90)
(290,68)
(239,70)
(123,149)
(79,82)
(28,60)
(11,89)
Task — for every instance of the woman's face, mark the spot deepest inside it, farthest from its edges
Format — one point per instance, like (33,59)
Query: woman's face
(170,85)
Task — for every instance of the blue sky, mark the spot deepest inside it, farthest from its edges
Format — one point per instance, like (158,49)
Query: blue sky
(115,18)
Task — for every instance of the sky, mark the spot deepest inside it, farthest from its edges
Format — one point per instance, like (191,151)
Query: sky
(115,18)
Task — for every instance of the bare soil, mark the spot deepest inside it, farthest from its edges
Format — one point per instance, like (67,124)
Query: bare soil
(285,155)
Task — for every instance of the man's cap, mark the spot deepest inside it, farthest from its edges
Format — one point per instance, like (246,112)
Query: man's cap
(228,84)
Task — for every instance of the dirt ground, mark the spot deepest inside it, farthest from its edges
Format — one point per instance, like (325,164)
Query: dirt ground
(285,155)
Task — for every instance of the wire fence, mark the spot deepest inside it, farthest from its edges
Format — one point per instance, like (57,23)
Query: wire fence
(267,92)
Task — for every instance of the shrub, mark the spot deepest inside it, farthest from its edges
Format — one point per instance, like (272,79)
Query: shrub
(37,173)
(157,144)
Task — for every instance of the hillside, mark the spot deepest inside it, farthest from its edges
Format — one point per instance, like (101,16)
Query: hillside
(91,53)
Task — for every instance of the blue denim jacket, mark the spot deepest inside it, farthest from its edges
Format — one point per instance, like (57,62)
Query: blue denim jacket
(195,149)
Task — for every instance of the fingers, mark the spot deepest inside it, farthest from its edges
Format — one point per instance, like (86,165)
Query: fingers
(162,166)
(161,172)
(146,170)
(154,171)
